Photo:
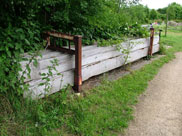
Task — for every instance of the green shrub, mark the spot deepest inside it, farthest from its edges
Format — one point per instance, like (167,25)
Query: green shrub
(14,42)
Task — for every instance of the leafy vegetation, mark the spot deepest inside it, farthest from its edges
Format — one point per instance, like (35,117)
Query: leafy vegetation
(21,24)
(174,11)
(104,110)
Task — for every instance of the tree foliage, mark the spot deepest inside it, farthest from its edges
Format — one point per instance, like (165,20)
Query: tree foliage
(153,14)
(173,10)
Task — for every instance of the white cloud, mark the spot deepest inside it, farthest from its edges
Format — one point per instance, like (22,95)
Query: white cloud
(156,4)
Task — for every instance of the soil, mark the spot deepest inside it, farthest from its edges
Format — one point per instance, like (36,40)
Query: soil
(159,111)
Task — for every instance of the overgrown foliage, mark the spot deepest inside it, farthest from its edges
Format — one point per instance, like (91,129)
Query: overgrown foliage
(22,22)
(14,41)
(105,110)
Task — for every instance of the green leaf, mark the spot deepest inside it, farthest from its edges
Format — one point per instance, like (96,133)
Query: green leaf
(35,63)
(41,84)
(27,42)
(17,46)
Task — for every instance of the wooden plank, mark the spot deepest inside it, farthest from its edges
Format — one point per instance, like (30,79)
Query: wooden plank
(88,71)
(91,55)
(107,65)
(86,61)
(63,50)
(92,50)
(58,82)
(97,51)
(34,73)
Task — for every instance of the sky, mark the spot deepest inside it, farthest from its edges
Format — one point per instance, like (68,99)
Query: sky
(156,4)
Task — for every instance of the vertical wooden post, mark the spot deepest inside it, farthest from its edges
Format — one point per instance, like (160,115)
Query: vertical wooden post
(160,31)
(151,41)
(78,63)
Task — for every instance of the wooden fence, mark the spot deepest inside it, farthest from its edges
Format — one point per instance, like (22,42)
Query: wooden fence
(95,61)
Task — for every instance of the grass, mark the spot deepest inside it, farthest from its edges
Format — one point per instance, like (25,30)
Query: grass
(105,110)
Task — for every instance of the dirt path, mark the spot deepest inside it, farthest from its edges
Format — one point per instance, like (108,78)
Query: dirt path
(159,111)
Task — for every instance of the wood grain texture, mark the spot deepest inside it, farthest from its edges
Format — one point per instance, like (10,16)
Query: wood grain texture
(96,60)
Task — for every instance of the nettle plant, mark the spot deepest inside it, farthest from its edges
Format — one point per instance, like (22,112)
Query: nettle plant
(127,48)
(135,31)
(127,31)
(47,77)
(13,43)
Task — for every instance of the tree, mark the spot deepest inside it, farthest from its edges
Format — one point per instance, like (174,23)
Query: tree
(162,10)
(153,14)
(175,11)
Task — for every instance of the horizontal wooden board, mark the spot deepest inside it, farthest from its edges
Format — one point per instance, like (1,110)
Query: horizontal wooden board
(91,55)
(93,69)
(95,51)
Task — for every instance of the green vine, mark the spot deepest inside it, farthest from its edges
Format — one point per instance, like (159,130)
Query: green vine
(46,77)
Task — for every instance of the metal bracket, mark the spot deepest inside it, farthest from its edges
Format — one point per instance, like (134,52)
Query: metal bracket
(77,39)
(151,42)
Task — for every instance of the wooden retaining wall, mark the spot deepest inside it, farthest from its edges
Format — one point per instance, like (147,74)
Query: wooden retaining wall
(95,61)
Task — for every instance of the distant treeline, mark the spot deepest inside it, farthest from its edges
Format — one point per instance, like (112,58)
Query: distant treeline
(174,12)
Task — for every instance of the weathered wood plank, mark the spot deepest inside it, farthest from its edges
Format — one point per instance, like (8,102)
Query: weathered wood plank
(93,50)
(88,71)
(112,63)
(91,54)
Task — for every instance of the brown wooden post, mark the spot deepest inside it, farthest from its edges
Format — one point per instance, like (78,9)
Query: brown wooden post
(78,63)
(151,41)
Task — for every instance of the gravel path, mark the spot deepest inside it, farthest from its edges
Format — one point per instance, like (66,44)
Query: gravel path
(159,111)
